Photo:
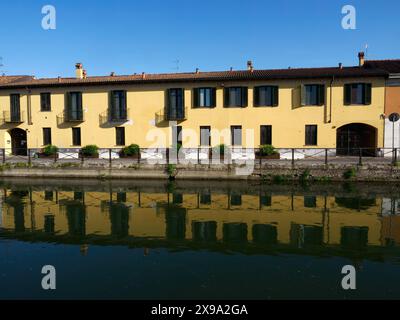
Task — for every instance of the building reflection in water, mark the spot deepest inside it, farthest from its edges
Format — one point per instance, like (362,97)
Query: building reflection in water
(206,217)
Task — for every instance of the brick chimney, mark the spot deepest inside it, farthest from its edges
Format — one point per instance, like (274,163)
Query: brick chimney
(361,59)
(79,70)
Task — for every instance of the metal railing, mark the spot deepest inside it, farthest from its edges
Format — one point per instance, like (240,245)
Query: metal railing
(13,117)
(171,115)
(71,116)
(109,116)
(209,156)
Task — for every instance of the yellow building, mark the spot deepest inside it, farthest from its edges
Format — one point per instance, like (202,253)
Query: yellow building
(289,108)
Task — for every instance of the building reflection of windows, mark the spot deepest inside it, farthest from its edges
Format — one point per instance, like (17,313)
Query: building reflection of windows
(78,195)
(234,232)
(204,231)
(121,196)
(235,199)
(265,234)
(303,235)
(49,223)
(355,203)
(310,201)
(175,220)
(177,198)
(119,216)
(265,200)
(76,216)
(354,237)
(48,195)
(16,200)
(205,198)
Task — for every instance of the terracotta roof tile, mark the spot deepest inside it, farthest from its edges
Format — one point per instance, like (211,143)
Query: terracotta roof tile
(391,66)
(301,73)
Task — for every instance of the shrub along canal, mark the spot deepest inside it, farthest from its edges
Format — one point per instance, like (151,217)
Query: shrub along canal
(200,240)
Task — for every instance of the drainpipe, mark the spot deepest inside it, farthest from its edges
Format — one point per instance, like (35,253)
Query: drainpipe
(29,111)
(330,98)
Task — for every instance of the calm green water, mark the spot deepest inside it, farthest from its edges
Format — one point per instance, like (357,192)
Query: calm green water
(152,240)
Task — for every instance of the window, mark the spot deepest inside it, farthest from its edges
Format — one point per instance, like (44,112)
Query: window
(118,106)
(74,106)
(175,104)
(266,96)
(235,97)
(236,135)
(45,101)
(313,95)
(205,198)
(120,136)
(205,136)
(15,115)
(311,135)
(265,135)
(46,136)
(76,136)
(121,196)
(204,97)
(357,93)
(48,195)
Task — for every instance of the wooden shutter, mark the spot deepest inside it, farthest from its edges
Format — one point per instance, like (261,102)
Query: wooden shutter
(275,96)
(196,102)
(303,95)
(244,91)
(347,94)
(321,95)
(256,96)
(124,109)
(226,97)
(367,93)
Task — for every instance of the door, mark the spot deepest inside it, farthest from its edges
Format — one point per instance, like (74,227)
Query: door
(19,143)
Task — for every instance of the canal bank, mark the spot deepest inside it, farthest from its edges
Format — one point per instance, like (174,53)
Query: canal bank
(275,172)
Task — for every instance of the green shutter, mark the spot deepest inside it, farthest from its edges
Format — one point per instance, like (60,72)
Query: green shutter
(226,97)
(321,95)
(256,96)
(244,97)
(275,96)
(367,93)
(213,97)
(196,102)
(347,94)
(302,95)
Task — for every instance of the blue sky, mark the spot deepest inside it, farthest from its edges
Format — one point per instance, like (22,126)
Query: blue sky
(128,36)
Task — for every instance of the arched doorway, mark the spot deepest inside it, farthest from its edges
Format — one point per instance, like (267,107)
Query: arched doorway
(353,137)
(19,144)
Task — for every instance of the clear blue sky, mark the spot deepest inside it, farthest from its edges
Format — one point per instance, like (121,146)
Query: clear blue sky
(128,36)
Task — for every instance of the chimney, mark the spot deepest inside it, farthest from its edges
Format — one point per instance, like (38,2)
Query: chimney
(112,74)
(79,70)
(143,75)
(361,59)
(197,70)
(250,65)
(84,74)
(231,69)
(340,65)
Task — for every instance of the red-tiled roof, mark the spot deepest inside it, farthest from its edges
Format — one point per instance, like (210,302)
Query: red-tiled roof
(14,79)
(391,66)
(303,73)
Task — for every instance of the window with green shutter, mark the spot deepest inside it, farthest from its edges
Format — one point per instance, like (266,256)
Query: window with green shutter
(235,97)
(204,97)
(357,94)
(313,95)
(266,96)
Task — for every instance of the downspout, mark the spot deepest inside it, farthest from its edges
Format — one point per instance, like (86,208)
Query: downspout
(330,98)
(29,111)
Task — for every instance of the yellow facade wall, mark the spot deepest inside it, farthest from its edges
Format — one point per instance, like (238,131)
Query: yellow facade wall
(288,120)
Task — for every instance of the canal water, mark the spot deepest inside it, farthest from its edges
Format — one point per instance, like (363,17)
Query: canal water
(198,240)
